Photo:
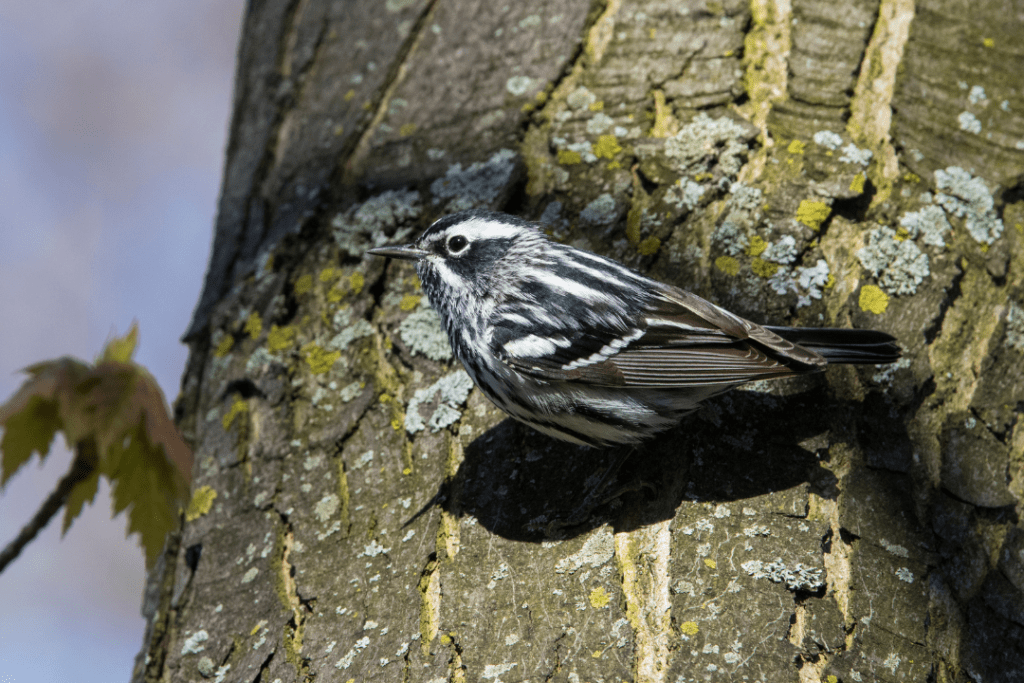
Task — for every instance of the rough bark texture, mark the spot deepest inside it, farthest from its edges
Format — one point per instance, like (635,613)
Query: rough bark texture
(797,161)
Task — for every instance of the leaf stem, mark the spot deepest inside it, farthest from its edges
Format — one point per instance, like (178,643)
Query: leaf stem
(81,467)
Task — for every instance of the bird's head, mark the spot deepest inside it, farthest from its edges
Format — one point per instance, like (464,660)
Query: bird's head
(465,257)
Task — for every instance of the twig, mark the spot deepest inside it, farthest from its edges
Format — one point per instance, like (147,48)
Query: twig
(81,467)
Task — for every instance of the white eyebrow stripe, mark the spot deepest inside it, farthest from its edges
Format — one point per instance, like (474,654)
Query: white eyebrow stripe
(477,228)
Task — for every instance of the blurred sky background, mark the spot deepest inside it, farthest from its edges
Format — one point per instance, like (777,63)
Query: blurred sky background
(113,122)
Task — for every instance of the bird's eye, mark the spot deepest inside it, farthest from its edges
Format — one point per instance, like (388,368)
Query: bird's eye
(457,243)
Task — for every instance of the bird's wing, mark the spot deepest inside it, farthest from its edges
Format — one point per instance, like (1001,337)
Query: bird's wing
(676,339)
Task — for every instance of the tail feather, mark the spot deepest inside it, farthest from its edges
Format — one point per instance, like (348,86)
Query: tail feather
(838,345)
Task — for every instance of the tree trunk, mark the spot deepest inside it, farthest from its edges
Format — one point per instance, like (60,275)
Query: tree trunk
(361,514)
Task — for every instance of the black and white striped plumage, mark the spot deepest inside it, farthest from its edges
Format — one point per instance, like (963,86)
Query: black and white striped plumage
(584,349)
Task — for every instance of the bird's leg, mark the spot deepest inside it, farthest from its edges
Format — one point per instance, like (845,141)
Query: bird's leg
(598,495)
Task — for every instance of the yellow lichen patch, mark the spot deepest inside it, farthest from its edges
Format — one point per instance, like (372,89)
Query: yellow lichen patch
(873,299)
(857,184)
(409,302)
(596,106)
(612,165)
(327,274)
(407,129)
(689,628)
(334,294)
(709,563)
(795,147)
(597,654)
(831,282)
(633,225)
(607,147)
(728,265)
(634,218)
(665,123)
(901,234)
(989,42)
(224,347)
(649,246)
(567,157)
(253,325)
(407,471)
(319,359)
(356,282)
(652,33)
(202,501)
(757,246)
(831,679)
(764,268)
(911,177)
(812,213)
(599,598)
(339,129)
(280,338)
(304,284)
(349,95)
(238,407)
(367,105)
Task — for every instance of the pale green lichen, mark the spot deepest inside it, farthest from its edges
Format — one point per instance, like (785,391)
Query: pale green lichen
(340,342)
(967,197)
(598,549)
(601,211)
(783,252)
(478,185)
(828,139)
(1015,326)
(689,150)
(855,155)
(799,577)
(899,265)
(381,219)
(421,332)
(684,194)
(929,223)
(449,393)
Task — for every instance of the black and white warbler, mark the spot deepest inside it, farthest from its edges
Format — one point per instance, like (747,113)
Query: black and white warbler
(584,349)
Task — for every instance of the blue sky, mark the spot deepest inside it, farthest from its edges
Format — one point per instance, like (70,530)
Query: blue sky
(113,121)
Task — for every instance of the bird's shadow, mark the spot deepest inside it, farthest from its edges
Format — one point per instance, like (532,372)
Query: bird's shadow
(524,486)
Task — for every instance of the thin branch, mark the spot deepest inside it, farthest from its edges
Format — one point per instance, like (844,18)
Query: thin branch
(81,467)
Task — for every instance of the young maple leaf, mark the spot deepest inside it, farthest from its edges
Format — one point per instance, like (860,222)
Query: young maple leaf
(114,416)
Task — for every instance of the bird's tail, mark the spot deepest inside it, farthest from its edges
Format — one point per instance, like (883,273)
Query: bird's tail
(861,347)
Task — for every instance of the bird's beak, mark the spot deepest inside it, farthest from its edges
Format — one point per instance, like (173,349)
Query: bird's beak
(408,252)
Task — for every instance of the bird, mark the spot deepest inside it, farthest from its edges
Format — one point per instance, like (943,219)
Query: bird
(589,351)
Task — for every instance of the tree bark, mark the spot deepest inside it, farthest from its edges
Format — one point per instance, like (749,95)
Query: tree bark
(796,161)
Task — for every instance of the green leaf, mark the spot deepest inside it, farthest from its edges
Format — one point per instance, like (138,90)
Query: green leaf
(84,492)
(30,430)
(120,349)
(149,487)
